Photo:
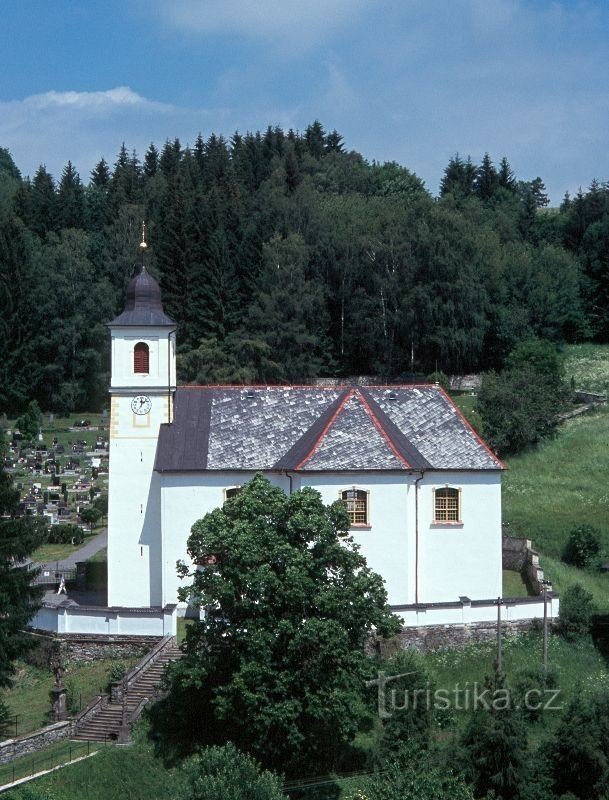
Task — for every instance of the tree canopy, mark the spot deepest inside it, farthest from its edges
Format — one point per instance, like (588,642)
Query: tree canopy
(19,600)
(277,666)
(285,256)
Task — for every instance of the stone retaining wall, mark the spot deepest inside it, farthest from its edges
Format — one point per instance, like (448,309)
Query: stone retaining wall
(86,648)
(31,742)
(518,554)
(440,637)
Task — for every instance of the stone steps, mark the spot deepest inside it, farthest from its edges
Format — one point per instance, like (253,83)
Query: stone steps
(106,724)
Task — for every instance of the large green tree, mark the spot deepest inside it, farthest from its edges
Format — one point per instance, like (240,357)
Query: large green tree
(277,666)
(519,406)
(18,598)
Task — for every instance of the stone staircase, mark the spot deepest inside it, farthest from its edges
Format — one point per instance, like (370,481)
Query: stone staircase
(109,719)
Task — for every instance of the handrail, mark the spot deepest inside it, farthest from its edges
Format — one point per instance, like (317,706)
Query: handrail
(148,659)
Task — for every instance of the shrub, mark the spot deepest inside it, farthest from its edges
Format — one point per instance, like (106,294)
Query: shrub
(440,378)
(520,406)
(117,671)
(5,720)
(65,533)
(225,773)
(583,547)
(576,609)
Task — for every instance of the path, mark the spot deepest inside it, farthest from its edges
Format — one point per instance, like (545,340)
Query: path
(92,547)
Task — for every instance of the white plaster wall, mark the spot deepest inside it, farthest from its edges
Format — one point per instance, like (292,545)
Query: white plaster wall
(465,559)
(185,498)
(161,343)
(134,515)
(454,561)
(388,544)
(106,621)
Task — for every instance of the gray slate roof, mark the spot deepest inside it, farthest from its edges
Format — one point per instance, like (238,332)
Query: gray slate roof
(318,429)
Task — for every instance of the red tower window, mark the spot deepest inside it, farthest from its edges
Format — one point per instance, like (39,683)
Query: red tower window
(141,358)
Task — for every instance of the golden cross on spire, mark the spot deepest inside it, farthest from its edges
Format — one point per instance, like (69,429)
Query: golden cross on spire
(143,244)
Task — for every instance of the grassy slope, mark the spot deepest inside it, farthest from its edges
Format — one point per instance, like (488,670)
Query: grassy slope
(129,772)
(29,695)
(588,365)
(561,484)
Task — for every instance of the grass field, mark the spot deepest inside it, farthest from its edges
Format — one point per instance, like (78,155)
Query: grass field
(561,483)
(129,772)
(588,366)
(56,552)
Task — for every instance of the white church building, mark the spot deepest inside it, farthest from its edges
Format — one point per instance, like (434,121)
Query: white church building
(422,490)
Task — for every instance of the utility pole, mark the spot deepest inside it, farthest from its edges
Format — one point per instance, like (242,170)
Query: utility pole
(499,660)
(545,627)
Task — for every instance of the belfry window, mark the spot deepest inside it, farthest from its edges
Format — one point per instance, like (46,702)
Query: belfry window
(141,358)
(447,505)
(356,503)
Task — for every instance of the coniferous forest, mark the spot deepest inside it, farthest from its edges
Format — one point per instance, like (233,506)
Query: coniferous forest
(285,257)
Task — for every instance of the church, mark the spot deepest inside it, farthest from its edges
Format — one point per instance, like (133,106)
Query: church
(422,490)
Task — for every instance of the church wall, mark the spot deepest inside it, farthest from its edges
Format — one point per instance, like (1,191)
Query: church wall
(454,560)
(388,542)
(461,559)
(185,498)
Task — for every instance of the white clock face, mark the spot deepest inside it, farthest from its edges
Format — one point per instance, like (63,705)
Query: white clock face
(141,404)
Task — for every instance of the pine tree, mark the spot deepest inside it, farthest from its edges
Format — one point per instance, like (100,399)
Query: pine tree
(151,161)
(506,178)
(70,199)
(100,175)
(44,202)
(487,179)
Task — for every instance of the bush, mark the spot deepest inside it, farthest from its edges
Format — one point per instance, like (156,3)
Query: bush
(576,609)
(583,547)
(520,406)
(225,773)
(440,378)
(65,533)
(117,671)
(5,720)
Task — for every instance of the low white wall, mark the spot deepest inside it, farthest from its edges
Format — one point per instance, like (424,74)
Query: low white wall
(480,611)
(125,621)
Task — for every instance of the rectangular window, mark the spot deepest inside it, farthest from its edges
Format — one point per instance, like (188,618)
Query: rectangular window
(356,503)
(447,505)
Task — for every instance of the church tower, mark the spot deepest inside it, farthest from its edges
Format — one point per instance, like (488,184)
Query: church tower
(142,386)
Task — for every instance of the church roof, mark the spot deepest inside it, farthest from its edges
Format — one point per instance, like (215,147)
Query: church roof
(319,429)
(143,306)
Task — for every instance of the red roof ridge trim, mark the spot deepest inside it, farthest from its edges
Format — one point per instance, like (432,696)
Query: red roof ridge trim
(377,424)
(322,435)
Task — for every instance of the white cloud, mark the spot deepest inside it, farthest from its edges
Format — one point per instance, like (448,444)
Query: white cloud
(54,127)
(119,98)
(295,23)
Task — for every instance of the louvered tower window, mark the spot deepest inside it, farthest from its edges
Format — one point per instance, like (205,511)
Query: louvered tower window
(141,358)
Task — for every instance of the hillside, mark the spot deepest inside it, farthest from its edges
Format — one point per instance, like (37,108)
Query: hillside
(283,257)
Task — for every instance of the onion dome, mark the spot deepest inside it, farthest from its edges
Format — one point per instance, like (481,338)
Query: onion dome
(144,305)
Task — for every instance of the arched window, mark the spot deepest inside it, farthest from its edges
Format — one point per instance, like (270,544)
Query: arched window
(141,358)
(447,505)
(356,503)
(232,492)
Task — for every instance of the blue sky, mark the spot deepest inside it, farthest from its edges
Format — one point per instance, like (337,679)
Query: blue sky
(413,81)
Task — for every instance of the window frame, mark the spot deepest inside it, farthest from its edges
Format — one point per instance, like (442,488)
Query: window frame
(352,522)
(234,490)
(446,520)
